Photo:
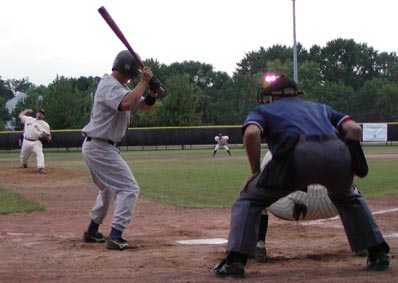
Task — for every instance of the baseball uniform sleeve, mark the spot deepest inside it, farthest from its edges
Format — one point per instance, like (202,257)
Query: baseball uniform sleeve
(336,118)
(255,117)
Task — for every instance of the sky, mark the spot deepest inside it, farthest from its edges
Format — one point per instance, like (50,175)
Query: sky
(43,39)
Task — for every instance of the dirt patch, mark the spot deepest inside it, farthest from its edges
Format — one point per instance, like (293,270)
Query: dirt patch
(46,246)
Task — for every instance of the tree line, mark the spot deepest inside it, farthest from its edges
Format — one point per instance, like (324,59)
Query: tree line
(351,77)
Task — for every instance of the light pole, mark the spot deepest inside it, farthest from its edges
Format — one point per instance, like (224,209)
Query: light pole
(295,75)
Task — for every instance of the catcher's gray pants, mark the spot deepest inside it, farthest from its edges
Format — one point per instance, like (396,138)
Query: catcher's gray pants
(115,180)
(327,163)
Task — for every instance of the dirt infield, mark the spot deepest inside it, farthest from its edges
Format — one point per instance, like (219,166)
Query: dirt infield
(46,246)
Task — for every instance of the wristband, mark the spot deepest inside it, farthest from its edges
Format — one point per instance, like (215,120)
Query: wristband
(150,100)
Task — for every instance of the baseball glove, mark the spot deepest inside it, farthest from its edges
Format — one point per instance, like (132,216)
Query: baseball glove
(43,138)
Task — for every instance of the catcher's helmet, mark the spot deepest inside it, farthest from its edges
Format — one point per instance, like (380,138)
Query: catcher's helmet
(126,64)
(277,86)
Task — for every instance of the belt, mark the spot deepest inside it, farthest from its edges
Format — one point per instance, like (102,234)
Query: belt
(108,141)
(29,139)
(318,137)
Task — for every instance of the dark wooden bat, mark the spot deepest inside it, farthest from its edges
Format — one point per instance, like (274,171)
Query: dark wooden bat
(112,24)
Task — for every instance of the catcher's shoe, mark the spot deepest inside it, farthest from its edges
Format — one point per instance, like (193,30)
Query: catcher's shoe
(93,238)
(379,262)
(261,254)
(24,165)
(119,244)
(234,269)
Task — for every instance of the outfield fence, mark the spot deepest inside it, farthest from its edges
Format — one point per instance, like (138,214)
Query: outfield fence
(154,138)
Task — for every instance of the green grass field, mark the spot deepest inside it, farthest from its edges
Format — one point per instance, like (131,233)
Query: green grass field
(13,202)
(183,181)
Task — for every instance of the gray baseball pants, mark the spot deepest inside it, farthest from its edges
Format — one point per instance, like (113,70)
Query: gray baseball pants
(115,180)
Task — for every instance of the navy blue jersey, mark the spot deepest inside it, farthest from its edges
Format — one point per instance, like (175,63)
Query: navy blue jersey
(292,116)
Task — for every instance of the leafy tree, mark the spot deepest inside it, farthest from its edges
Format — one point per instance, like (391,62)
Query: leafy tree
(180,106)
(387,102)
(337,95)
(366,101)
(4,115)
(22,85)
(150,118)
(237,98)
(349,62)
(5,90)
(387,66)
(68,102)
(377,101)
(254,62)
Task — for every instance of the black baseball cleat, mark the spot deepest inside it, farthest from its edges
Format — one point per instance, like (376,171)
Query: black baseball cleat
(234,269)
(42,171)
(93,238)
(119,244)
(24,165)
(379,262)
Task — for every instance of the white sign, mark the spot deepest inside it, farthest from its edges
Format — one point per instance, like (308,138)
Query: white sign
(374,132)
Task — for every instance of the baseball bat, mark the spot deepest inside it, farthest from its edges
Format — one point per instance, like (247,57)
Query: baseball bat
(112,24)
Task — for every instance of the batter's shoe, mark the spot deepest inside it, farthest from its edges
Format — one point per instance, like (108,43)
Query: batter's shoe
(379,262)
(119,244)
(93,238)
(42,171)
(24,165)
(261,254)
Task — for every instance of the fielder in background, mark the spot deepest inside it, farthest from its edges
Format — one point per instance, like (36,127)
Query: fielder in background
(221,141)
(109,120)
(36,131)
(311,143)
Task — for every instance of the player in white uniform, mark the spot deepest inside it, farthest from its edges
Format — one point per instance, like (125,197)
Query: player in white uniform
(34,128)
(110,117)
(223,141)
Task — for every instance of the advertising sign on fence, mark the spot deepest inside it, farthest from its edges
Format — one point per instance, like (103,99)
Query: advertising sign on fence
(376,132)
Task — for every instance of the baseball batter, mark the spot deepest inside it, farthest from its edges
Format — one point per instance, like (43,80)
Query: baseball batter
(221,141)
(35,129)
(110,117)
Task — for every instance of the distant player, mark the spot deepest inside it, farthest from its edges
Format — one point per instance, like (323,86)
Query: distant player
(223,141)
(35,129)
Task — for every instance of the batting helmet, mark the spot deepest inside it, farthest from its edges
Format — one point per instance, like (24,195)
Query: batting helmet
(126,64)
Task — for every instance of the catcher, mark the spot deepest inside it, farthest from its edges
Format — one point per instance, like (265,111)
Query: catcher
(36,132)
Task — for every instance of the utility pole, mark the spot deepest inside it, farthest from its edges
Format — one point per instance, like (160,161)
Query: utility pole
(295,74)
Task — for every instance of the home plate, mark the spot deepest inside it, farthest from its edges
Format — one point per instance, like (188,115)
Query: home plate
(214,241)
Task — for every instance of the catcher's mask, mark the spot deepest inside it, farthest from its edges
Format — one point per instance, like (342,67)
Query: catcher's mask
(277,86)
(126,64)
